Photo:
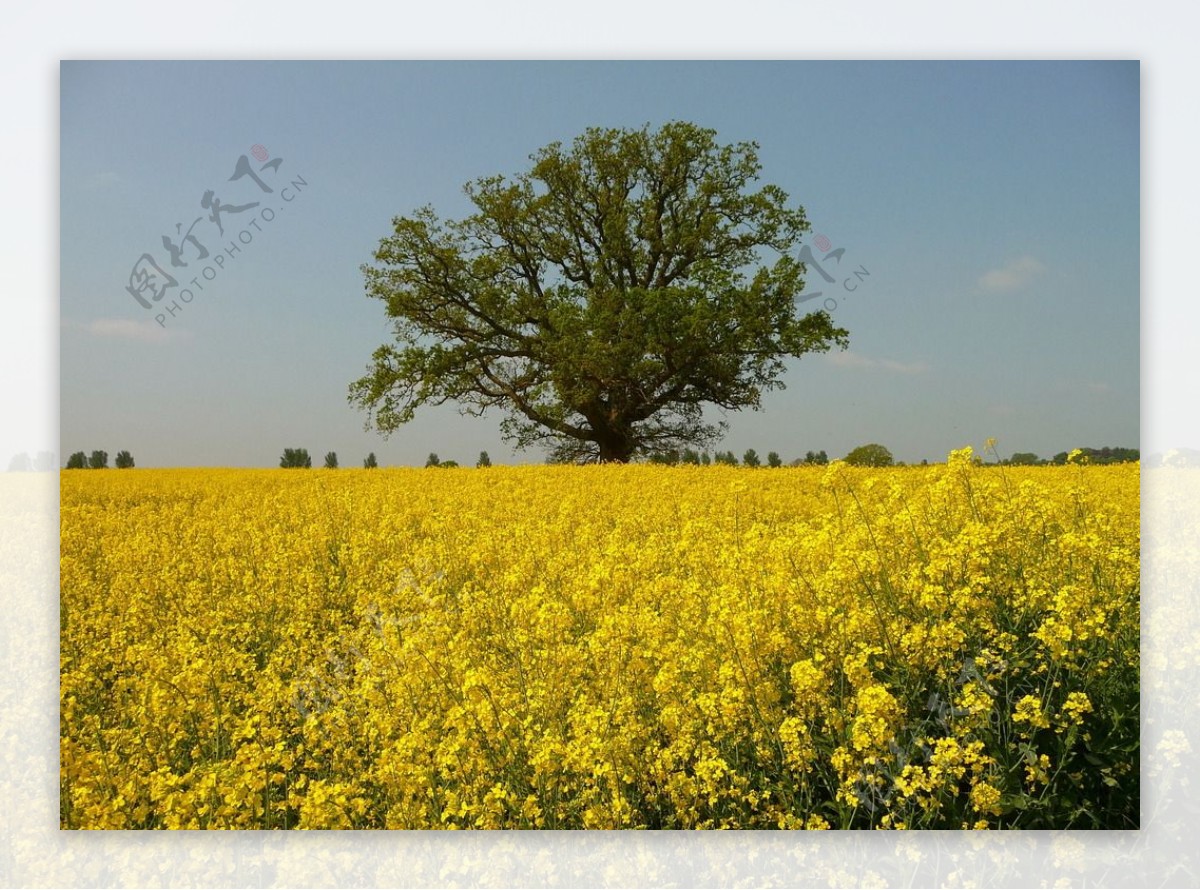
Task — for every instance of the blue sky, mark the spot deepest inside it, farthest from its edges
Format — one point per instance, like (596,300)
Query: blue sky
(995,206)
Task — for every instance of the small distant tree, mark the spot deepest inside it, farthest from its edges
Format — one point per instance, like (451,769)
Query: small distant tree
(331,460)
(432,460)
(705,460)
(98,460)
(1060,458)
(20,463)
(690,456)
(295,459)
(872,455)
(448,464)
(370,463)
(750,458)
(484,460)
(816,457)
(77,461)
(1024,459)
(774,460)
(726,457)
(124,460)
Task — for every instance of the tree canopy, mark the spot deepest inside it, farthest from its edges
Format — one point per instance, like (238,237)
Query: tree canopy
(295,459)
(601,300)
(873,455)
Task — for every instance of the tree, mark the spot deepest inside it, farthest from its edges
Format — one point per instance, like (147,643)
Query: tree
(77,461)
(484,460)
(705,460)
(690,456)
(869,456)
(1023,459)
(601,299)
(98,460)
(331,461)
(370,463)
(432,460)
(773,459)
(750,458)
(670,457)
(124,460)
(816,457)
(295,458)
(725,457)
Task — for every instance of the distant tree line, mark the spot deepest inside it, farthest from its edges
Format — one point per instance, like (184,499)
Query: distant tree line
(751,458)
(876,455)
(870,455)
(434,461)
(98,461)
(299,458)
(1105,455)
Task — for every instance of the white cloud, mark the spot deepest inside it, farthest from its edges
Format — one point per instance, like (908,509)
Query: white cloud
(849,359)
(1012,275)
(128,329)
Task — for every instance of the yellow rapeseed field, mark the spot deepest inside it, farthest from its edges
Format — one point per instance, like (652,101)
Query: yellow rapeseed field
(953,646)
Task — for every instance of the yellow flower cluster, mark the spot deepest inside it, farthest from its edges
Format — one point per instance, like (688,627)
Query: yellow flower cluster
(600,647)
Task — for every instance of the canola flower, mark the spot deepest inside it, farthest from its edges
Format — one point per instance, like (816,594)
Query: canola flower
(953,646)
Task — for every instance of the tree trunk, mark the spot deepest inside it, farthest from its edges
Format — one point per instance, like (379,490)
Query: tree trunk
(614,448)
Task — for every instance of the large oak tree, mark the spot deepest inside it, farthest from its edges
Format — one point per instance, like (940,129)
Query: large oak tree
(601,300)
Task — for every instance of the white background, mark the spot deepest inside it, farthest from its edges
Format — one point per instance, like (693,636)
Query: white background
(34,853)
